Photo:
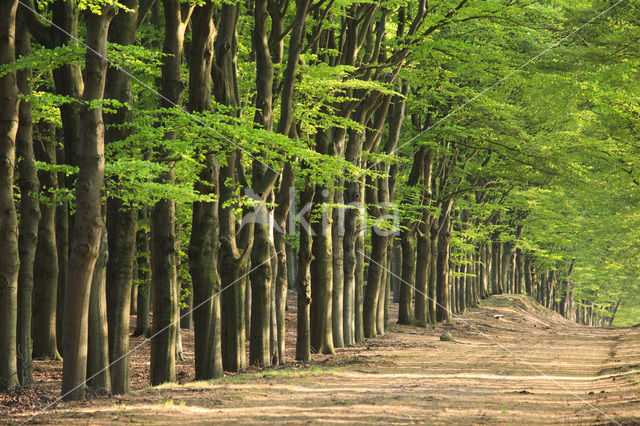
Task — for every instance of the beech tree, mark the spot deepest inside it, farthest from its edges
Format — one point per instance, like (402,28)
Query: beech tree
(88,219)
(9,114)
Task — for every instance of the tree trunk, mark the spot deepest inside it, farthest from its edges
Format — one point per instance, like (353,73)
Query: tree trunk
(405,297)
(122,222)
(176,320)
(342,335)
(29,214)
(247,303)
(527,276)
(497,268)
(62,246)
(45,288)
(373,312)
(467,285)
(283,201)
(68,82)
(133,307)
(262,276)
(9,255)
(98,374)
(407,242)
(519,268)
(303,279)
(359,278)
(359,290)
(274,274)
(433,272)
(505,263)
(164,283)
(487,270)
(185,297)
(232,267)
(374,278)
(164,245)
(348,239)
(354,199)
(322,262)
(292,262)
(443,310)
(260,346)
(396,262)
(234,255)
(88,218)
(204,242)
(387,287)
(423,255)
(144,278)
(280,285)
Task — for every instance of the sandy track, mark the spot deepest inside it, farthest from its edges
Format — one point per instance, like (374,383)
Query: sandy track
(528,366)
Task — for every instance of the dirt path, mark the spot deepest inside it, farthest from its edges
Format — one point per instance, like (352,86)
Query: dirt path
(527,366)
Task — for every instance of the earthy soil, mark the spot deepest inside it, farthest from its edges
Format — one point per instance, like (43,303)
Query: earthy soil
(511,362)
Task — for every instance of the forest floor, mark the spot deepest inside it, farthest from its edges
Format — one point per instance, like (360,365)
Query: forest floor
(512,362)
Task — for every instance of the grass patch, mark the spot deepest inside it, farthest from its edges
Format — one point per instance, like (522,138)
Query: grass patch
(281,374)
(236,395)
(171,403)
(163,386)
(287,373)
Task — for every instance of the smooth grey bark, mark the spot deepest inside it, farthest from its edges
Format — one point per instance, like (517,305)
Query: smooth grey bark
(62,245)
(284,274)
(98,374)
(443,309)
(359,279)
(262,289)
(164,296)
(204,241)
(88,218)
(234,254)
(387,289)
(45,286)
(143,325)
(122,222)
(261,283)
(322,263)
(375,270)
(9,255)
(303,280)
(528,278)
(133,307)
(29,213)
(164,244)
(408,249)
(408,274)
(342,335)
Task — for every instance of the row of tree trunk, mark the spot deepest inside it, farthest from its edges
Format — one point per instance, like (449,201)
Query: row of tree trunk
(68,278)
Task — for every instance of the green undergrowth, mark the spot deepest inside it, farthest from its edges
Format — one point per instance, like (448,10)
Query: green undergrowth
(287,373)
